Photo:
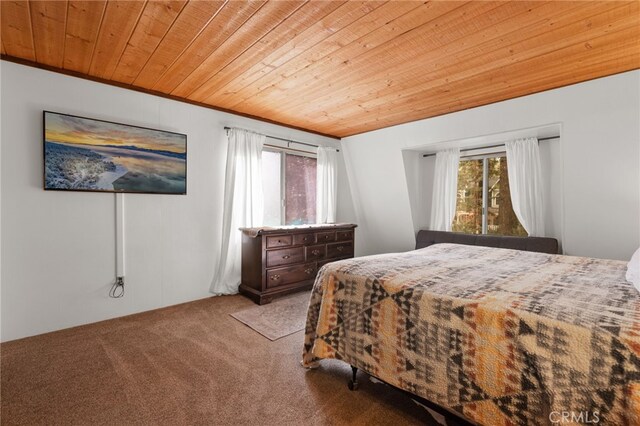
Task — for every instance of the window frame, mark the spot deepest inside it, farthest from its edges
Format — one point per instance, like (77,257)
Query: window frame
(284,151)
(485,182)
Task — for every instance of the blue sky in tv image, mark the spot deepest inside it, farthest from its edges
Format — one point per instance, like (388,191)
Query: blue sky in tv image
(94,155)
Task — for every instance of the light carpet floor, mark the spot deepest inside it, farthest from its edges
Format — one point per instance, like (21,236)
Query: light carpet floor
(191,364)
(277,319)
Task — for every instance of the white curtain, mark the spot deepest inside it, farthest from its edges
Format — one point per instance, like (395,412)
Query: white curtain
(326,185)
(525,182)
(445,188)
(243,204)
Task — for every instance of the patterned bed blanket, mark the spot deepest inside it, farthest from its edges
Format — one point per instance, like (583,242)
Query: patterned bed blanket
(500,336)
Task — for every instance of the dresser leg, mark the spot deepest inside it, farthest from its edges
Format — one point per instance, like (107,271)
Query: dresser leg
(353,383)
(265,300)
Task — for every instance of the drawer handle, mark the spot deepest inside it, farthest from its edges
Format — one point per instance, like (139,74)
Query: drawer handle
(309,271)
(315,252)
(275,277)
(279,241)
(305,239)
(286,256)
(339,248)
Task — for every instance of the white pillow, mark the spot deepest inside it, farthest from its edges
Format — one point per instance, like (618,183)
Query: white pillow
(633,269)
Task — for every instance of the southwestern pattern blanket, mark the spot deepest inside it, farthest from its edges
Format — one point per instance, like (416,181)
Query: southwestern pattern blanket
(500,336)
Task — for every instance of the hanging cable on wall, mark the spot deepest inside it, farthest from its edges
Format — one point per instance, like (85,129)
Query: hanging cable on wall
(117,289)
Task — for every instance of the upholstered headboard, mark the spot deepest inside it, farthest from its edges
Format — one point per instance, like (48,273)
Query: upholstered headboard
(426,238)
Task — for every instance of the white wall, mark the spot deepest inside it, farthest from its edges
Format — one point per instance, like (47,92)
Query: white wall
(58,248)
(595,165)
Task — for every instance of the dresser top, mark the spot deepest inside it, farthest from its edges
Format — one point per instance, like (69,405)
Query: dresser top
(293,229)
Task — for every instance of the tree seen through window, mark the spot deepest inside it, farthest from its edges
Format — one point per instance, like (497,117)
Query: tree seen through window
(500,218)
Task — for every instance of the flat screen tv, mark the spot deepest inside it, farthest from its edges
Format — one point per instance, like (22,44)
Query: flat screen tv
(84,154)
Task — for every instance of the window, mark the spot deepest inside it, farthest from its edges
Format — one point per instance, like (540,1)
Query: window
(289,185)
(484,201)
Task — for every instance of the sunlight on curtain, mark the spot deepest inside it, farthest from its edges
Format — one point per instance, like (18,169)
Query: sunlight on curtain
(445,183)
(326,185)
(525,183)
(243,204)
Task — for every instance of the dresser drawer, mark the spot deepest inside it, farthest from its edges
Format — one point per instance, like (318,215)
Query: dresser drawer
(325,237)
(285,256)
(345,235)
(315,252)
(340,249)
(279,241)
(304,239)
(291,274)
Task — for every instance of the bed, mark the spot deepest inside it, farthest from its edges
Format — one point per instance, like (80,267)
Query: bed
(498,336)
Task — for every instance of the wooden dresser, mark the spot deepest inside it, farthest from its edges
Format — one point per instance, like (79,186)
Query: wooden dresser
(282,260)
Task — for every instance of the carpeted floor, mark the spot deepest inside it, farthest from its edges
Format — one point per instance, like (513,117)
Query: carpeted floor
(277,319)
(188,364)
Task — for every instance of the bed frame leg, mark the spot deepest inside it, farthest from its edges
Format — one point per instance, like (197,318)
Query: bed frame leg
(353,383)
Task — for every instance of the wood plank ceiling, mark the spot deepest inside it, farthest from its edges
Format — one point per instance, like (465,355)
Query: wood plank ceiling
(333,67)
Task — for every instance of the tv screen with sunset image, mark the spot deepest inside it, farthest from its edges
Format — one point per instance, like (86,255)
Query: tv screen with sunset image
(83,154)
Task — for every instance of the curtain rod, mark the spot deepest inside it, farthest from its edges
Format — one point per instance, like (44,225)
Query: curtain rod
(287,141)
(284,148)
(491,146)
